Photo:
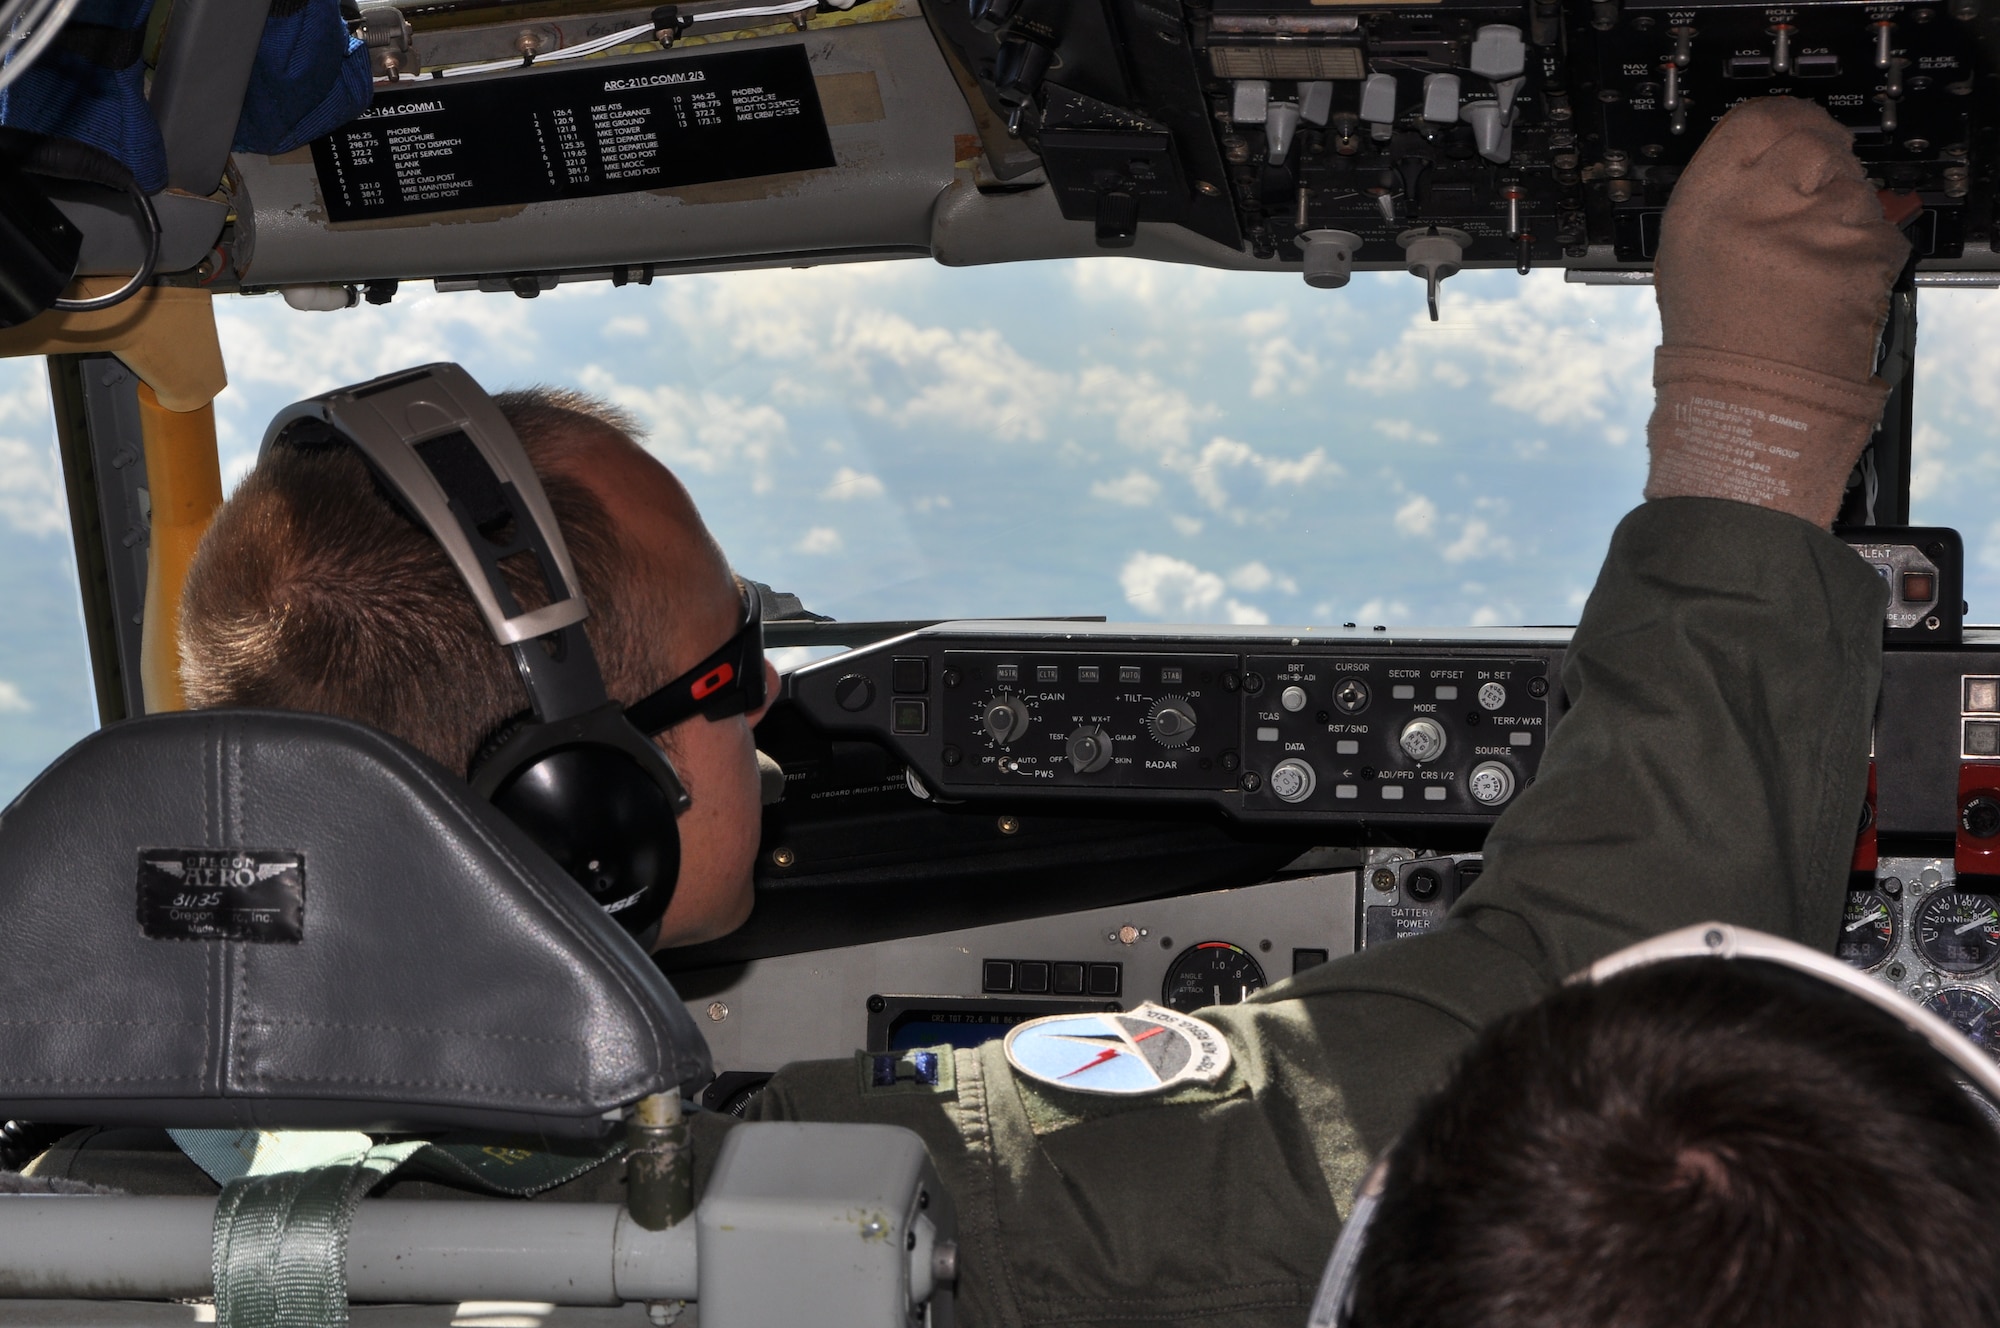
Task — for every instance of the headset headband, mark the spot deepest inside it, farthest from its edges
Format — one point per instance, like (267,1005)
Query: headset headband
(1707,940)
(441,445)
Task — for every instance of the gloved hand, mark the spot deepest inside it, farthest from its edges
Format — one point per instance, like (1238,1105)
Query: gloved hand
(1773,280)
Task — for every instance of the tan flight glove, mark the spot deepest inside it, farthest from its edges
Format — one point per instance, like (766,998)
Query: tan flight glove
(1773,279)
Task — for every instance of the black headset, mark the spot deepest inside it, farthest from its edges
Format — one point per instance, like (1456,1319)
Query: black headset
(576,771)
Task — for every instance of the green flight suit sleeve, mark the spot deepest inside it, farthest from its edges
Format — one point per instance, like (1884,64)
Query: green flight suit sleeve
(1711,766)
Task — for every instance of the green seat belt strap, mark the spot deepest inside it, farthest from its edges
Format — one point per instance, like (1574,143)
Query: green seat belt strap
(281,1240)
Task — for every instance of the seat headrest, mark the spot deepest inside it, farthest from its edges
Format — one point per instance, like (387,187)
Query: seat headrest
(242,918)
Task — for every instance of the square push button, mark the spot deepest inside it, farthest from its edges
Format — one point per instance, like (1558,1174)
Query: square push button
(1128,673)
(1104,979)
(910,675)
(996,975)
(906,716)
(1087,672)
(1033,976)
(1434,793)
(1305,959)
(1982,696)
(1919,587)
(1982,737)
(1392,792)
(1068,979)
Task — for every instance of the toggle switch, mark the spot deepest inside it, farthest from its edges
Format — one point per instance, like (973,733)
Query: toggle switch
(1378,105)
(1329,257)
(1513,193)
(1433,253)
(1490,131)
(1884,32)
(1441,98)
(1683,45)
(1781,48)
(1252,99)
(1281,121)
(1316,103)
(1500,56)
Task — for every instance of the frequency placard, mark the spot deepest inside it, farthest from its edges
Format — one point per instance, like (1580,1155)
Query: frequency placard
(433,145)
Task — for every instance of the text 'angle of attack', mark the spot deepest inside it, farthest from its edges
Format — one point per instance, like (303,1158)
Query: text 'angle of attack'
(760,664)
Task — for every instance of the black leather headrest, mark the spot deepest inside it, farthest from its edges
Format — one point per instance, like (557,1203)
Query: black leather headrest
(242,918)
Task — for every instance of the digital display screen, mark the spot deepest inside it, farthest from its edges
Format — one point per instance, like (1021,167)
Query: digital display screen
(906,1022)
(433,145)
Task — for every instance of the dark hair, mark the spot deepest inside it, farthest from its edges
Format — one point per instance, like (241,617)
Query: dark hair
(1702,1144)
(311,591)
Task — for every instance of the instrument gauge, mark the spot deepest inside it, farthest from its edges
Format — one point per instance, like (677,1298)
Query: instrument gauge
(1212,973)
(1868,932)
(1971,1013)
(1958,932)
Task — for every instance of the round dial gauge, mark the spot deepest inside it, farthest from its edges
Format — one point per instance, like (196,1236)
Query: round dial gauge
(1958,931)
(1868,932)
(1212,973)
(1971,1013)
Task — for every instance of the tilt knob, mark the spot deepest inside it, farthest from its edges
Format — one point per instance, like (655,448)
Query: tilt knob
(1171,721)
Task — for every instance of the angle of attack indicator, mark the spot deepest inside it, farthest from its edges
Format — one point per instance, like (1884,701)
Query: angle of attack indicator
(1212,973)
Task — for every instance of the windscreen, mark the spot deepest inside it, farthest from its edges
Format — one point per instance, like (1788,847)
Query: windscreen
(1104,436)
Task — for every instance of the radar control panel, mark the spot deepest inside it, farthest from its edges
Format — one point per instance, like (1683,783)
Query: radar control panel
(1330,723)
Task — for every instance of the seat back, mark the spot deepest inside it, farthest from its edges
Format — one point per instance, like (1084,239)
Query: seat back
(259,919)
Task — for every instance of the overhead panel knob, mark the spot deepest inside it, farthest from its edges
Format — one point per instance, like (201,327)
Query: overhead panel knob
(1441,98)
(1171,722)
(1281,121)
(1490,131)
(1423,739)
(1089,749)
(1006,719)
(1434,253)
(1329,257)
(1378,105)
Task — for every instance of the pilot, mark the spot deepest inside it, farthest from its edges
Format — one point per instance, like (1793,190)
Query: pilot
(310,592)
(1639,1154)
(1721,683)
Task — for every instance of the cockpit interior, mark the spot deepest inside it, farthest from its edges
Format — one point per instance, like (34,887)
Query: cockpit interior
(972,821)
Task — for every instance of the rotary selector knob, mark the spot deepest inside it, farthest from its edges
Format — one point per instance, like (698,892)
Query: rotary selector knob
(1423,739)
(1293,780)
(1005,719)
(1171,722)
(1089,749)
(1490,783)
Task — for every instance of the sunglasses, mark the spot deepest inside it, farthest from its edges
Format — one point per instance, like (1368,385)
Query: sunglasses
(728,682)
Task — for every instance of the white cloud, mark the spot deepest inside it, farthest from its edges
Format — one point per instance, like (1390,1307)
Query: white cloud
(1255,576)
(1175,589)
(1562,354)
(702,431)
(819,541)
(627,326)
(1486,616)
(32,499)
(1189,526)
(12,700)
(1209,472)
(1928,463)
(932,502)
(851,485)
(960,376)
(1147,413)
(1281,365)
(1382,612)
(1135,488)
(1477,540)
(1417,517)
(1405,431)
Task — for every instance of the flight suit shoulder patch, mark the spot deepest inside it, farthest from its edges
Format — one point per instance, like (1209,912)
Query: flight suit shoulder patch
(917,1070)
(1145,1052)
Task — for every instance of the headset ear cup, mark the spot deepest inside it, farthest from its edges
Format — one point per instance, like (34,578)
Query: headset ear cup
(606,822)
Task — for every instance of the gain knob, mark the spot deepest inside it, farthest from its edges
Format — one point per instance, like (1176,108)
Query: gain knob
(1005,719)
(1171,721)
(1423,739)
(1089,749)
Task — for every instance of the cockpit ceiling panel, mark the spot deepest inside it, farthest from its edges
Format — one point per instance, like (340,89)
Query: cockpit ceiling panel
(896,122)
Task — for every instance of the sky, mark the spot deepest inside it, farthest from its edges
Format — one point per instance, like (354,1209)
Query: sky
(1098,436)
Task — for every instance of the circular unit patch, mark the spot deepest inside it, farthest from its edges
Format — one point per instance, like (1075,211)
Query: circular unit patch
(1148,1050)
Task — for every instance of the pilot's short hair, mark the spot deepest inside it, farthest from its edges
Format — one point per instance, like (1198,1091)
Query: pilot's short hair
(1702,1144)
(311,591)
